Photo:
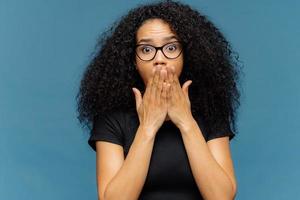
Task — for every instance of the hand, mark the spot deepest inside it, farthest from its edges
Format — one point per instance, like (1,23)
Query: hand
(179,106)
(152,107)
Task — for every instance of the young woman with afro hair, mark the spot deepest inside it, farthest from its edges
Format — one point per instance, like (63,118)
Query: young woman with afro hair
(160,98)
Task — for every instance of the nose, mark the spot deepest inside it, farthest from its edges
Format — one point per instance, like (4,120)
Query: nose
(159,58)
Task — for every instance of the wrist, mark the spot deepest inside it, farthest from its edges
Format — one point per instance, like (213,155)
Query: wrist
(147,131)
(188,126)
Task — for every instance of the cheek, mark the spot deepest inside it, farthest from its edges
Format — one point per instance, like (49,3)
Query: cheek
(179,70)
(148,74)
(179,66)
(144,71)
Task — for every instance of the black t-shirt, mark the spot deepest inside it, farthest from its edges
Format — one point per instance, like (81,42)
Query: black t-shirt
(169,175)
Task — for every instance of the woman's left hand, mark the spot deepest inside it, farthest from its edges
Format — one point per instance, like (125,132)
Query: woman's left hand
(179,106)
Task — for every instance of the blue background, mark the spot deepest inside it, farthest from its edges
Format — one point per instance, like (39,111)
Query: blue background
(44,48)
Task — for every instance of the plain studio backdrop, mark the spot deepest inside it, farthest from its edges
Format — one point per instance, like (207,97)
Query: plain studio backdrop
(44,48)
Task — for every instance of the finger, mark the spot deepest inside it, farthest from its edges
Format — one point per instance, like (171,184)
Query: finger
(185,87)
(164,93)
(169,75)
(162,74)
(176,84)
(138,97)
(150,80)
(175,79)
(169,82)
(173,89)
(154,82)
(149,83)
(168,92)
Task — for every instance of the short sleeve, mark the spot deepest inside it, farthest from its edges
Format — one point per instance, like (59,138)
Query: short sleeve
(209,135)
(226,131)
(107,128)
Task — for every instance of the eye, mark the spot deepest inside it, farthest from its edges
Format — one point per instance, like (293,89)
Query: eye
(171,47)
(146,49)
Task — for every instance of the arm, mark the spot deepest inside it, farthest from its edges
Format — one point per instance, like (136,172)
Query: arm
(129,180)
(213,172)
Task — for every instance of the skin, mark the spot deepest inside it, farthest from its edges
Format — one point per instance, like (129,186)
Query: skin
(210,161)
(156,30)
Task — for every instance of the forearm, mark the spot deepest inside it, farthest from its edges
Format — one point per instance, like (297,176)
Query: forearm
(130,179)
(212,181)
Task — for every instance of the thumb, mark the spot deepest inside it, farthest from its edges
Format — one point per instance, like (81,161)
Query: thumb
(185,87)
(138,97)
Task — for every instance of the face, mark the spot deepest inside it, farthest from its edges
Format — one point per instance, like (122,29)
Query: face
(157,33)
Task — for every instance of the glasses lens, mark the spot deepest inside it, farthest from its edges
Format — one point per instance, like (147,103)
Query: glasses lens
(172,50)
(145,52)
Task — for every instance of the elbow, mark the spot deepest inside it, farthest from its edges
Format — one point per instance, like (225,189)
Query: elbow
(230,194)
(102,195)
(234,191)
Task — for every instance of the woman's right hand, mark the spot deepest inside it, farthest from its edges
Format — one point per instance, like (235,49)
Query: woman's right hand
(152,107)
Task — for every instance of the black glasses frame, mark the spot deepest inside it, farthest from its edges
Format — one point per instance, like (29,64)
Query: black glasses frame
(159,48)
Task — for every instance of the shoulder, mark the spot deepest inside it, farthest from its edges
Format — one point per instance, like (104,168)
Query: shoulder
(118,118)
(109,126)
(110,116)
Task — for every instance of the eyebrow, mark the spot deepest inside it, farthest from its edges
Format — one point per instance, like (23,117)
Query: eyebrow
(164,39)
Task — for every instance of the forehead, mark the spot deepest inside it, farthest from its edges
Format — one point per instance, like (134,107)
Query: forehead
(155,30)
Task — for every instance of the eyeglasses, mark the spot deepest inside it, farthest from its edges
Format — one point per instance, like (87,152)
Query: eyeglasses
(147,52)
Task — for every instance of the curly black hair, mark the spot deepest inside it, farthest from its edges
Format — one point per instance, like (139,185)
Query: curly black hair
(209,62)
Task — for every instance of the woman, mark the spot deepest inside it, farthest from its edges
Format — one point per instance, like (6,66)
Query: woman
(160,98)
